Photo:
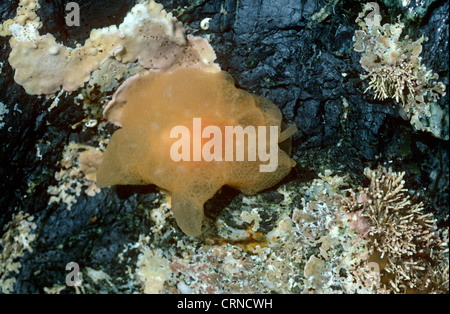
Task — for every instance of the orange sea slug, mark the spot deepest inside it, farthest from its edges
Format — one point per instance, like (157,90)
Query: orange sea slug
(148,107)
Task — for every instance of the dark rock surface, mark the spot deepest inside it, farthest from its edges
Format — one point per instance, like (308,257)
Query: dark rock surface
(271,48)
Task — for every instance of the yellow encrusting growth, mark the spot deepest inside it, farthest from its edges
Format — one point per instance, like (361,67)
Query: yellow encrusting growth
(26,14)
(148,35)
(152,270)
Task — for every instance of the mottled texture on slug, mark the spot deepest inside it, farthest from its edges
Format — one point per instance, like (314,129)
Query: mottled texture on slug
(147,107)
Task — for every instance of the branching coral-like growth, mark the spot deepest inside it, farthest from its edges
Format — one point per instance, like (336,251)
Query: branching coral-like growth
(394,69)
(403,238)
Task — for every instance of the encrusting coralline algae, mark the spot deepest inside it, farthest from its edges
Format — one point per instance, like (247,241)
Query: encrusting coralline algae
(148,35)
(326,238)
